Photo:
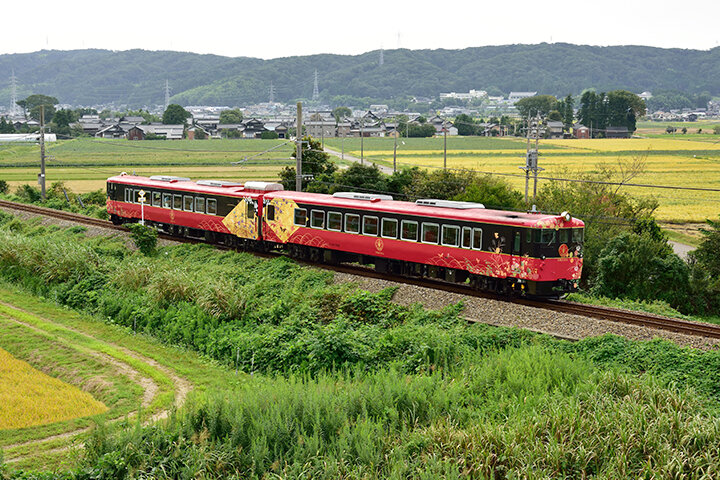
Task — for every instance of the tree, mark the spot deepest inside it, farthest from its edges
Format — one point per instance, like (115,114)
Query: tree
(422,130)
(341,112)
(37,102)
(555,116)
(362,177)
(6,127)
(465,125)
(537,105)
(624,108)
(232,116)
(315,162)
(568,111)
(707,253)
(175,115)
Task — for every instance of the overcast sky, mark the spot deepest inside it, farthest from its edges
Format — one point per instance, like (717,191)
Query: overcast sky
(278,28)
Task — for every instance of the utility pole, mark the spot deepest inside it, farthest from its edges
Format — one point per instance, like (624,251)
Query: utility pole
(167,93)
(13,94)
(536,168)
(395,135)
(362,139)
(41,177)
(445,146)
(531,156)
(298,160)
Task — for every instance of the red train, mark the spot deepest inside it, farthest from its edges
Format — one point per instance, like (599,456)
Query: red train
(494,250)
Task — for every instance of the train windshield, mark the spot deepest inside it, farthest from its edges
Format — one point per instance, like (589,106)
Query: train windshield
(577,235)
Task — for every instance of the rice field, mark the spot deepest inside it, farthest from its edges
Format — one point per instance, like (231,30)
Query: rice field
(669,162)
(29,397)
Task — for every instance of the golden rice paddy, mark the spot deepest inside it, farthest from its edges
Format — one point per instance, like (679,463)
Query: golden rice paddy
(29,397)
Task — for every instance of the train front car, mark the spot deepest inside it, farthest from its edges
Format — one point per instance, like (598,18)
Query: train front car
(460,242)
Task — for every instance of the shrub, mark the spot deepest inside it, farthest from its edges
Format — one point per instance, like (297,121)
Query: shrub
(145,238)
(4,187)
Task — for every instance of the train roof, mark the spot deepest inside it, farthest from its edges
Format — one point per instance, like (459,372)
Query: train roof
(215,187)
(463,211)
(450,210)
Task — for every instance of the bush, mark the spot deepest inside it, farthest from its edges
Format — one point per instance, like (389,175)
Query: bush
(4,187)
(145,238)
(641,267)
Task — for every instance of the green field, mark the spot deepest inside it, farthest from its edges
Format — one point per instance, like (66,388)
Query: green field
(296,376)
(670,160)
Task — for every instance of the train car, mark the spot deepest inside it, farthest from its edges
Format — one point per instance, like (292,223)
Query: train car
(494,250)
(216,211)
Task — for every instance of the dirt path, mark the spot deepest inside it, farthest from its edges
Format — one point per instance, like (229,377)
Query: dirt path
(151,389)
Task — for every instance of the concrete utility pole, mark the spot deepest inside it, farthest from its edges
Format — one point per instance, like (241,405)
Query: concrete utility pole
(41,177)
(395,135)
(362,139)
(445,146)
(531,157)
(298,160)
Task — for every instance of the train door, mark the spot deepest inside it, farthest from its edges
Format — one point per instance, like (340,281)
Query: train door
(243,220)
(516,247)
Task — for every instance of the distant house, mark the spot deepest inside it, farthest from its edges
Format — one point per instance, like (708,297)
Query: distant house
(580,131)
(111,131)
(617,132)
(515,96)
(135,133)
(321,128)
(555,129)
(192,133)
(253,128)
(132,119)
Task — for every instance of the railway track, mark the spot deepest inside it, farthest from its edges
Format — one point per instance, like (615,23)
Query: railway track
(606,313)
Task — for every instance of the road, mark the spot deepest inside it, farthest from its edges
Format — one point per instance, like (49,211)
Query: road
(350,158)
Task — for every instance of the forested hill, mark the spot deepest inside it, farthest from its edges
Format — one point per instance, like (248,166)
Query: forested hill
(137,77)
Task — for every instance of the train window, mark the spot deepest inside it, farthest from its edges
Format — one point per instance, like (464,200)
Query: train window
(564,235)
(466,237)
(334,221)
(409,230)
(177,202)
(156,197)
(188,203)
(370,225)
(477,239)
(270,212)
(128,195)
(211,206)
(450,236)
(352,223)
(528,235)
(136,196)
(516,242)
(389,228)
(547,236)
(300,217)
(250,209)
(317,219)
(167,200)
(200,204)
(430,232)
(537,234)
(577,235)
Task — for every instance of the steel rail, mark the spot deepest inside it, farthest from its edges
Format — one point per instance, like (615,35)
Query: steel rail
(594,311)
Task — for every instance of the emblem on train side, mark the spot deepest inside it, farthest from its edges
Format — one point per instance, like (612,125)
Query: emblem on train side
(379,245)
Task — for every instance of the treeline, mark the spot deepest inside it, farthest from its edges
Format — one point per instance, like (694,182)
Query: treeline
(136,77)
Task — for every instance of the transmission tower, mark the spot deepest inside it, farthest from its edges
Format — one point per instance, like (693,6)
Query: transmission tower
(13,94)
(382,56)
(167,94)
(272,93)
(316,91)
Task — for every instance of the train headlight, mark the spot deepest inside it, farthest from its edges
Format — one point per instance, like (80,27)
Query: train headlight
(566,216)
